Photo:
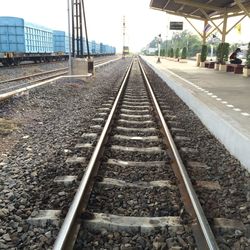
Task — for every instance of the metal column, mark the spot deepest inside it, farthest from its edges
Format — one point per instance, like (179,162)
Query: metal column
(77,37)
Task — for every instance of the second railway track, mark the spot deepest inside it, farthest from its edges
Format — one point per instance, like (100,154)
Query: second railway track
(17,85)
(133,184)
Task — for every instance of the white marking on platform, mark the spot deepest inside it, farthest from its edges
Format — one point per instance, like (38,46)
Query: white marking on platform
(245,114)
(230,105)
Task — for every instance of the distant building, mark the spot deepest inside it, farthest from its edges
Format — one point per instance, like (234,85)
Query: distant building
(125,50)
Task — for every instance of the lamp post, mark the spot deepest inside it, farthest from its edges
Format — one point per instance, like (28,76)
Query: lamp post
(70,59)
(159,41)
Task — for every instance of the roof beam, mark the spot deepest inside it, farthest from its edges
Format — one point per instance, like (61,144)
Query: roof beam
(181,14)
(200,5)
(240,13)
(236,24)
(242,7)
(206,15)
(214,29)
(165,6)
(194,28)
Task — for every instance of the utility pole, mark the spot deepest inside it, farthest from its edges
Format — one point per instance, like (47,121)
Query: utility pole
(124,37)
(159,40)
(69,34)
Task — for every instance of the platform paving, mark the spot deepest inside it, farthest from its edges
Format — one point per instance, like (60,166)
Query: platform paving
(220,99)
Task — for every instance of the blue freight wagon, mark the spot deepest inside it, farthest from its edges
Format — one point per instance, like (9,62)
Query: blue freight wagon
(38,39)
(59,41)
(24,41)
(12,35)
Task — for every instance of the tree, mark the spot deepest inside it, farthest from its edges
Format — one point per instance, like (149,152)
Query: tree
(172,52)
(180,40)
(177,53)
(184,53)
(222,53)
(248,57)
(203,53)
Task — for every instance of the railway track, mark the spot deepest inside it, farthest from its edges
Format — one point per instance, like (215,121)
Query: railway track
(9,87)
(24,65)
(21,82)
(135,183)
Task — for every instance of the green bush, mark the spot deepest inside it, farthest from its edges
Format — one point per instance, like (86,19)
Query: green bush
(163,52)
(218,53)
(171,52)
(177,53)
(222,53)
(184,53)
(248,56)
(203,53)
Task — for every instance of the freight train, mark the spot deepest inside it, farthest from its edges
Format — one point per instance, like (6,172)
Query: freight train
(24,41)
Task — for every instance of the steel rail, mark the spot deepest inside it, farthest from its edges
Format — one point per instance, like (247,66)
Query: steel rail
(76,207)
(20,85)
(33,84)
(34,75)
(99,63)
(207,232)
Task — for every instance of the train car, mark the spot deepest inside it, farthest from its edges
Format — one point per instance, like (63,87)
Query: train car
(24,41)
(12,39)
(97,49)
(59,41)
(38,39)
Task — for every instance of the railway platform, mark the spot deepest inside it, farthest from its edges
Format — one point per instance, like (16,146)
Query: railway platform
(219,99)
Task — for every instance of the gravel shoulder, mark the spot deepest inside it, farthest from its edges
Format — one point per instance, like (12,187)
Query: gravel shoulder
(45,125)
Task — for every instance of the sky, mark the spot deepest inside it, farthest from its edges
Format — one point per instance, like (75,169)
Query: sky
(104,20)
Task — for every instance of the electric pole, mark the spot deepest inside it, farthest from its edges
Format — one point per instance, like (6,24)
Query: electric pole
(124,37)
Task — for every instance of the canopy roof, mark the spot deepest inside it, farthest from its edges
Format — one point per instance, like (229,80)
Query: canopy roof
(202,9)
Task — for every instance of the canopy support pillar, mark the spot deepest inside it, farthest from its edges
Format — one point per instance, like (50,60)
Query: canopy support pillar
(224,28)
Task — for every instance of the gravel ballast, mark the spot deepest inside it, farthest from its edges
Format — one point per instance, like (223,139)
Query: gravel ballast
(48,123)
(38,133)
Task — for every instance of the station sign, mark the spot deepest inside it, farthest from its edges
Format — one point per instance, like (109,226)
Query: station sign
(176,26)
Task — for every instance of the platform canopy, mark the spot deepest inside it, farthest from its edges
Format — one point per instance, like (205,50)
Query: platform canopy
(202,9)
(207,11)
